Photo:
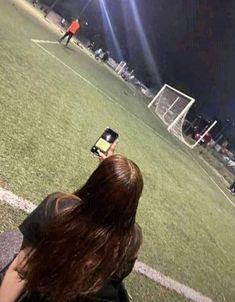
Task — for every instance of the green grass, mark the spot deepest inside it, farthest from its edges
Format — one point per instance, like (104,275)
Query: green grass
(10,217)
(49,119)
(211,157)
(142,289)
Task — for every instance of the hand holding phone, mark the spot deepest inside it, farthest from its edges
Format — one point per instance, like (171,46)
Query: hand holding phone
(106,143)
(110,152)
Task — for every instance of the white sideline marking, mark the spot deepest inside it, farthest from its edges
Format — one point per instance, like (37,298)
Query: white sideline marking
(170,283)
(37,42)
(212,180)
(27,206)
(17,202)
(44,41)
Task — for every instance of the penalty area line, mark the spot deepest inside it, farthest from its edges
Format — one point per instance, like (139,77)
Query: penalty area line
(44,41)
(37,42)
(140,267)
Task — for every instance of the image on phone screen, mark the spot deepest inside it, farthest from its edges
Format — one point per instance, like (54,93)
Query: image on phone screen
(105,141)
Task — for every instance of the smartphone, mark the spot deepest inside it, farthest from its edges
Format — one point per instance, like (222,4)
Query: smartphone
(105,141)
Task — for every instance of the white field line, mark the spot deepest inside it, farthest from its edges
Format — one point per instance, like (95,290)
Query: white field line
(169,283)
(45,41)
(37,42)
(27,206)
(212,180)
(17,202)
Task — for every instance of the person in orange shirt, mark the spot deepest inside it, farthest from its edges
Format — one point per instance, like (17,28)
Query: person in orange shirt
(73,28)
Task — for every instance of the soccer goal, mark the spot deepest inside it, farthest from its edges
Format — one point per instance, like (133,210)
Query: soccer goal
(172,106)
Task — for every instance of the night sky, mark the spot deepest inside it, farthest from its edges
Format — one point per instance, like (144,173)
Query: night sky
(189,44)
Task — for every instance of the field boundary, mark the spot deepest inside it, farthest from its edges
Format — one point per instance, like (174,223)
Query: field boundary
(140,267)
(44,41)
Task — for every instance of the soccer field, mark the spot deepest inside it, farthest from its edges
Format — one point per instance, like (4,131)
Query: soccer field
(55,102)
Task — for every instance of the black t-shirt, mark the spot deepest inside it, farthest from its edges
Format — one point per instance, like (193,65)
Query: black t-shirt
(51,206)
(54,204)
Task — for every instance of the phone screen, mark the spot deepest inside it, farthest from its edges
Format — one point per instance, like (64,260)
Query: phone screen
(103,144)
(105,141)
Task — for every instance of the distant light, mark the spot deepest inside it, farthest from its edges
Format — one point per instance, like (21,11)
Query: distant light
(109,31)
(150,59)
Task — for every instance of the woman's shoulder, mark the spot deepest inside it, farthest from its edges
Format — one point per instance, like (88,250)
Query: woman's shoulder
(45,212)
(59,201)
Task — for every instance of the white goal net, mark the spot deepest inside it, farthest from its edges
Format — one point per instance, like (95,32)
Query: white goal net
(172,106)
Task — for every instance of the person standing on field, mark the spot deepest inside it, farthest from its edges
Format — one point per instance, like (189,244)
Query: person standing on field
(73,28)
(232,188)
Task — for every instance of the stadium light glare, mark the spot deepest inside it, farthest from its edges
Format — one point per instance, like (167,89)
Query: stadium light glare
(85,7)
(51,7)
(142,37)
(109,31)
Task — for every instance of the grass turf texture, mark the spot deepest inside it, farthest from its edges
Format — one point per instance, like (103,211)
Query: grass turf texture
(49,119)
(10,217)
(142,289)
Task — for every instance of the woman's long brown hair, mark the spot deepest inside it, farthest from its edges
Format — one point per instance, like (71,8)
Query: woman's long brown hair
(84,246)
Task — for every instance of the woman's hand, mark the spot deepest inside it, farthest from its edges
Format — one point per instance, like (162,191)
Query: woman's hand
(110,152)
(13,285)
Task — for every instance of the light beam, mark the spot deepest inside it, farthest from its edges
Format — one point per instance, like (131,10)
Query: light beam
(148,55)
(108,26)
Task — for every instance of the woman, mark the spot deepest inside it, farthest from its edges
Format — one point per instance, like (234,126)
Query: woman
(80,246)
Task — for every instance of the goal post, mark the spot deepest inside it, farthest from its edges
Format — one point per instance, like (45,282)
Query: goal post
(156,96)
(183,113)
(120,67)
(204,134)
(172,107)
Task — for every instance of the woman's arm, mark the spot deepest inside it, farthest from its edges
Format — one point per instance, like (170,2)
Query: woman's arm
(13,285)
